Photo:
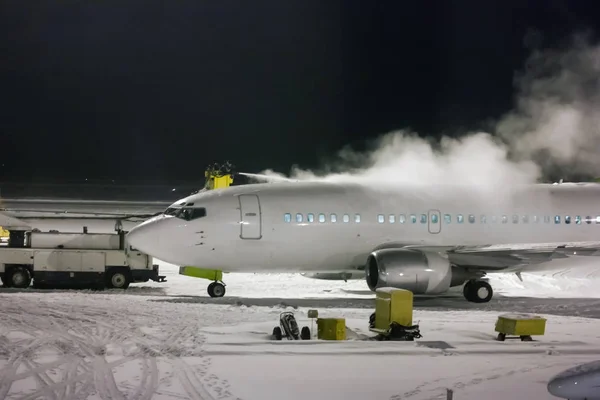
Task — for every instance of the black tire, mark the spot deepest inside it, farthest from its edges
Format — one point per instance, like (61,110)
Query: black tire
(478,291)
(501,337)
(305,333)
(277,335)
(118,279)
(19,278)
(216,289)
(466,290)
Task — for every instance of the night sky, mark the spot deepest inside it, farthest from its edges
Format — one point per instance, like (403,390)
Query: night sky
(149,91)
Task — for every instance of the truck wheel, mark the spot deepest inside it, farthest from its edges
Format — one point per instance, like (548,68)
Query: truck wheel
(118,279)
(20,278)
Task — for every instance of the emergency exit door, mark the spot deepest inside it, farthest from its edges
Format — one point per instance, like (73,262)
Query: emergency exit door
(435,221)
(250,217)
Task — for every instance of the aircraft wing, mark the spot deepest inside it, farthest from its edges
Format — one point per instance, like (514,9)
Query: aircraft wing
(513,258)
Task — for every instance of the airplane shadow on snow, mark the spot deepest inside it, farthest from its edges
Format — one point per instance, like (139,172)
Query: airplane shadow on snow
(578,307)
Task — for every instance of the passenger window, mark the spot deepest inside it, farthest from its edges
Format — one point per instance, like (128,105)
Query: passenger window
(434,218)
(333,218)
(525,219)
(380,218)
(413,218)
(298,217)
(447,218)
(423,218)
(459,218)
(557,219)
(471,219)
(515,219)
(287,217)
(504,219)
(567,219)
(321,218)
(310,217)
(401,218)
(578,220)
(546,219)
(346,218)
(483,219)
(598,219)
(588,220)
(357,218)
(392,218)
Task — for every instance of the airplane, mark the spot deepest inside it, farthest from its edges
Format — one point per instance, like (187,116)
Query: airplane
(422,238)
(580,382)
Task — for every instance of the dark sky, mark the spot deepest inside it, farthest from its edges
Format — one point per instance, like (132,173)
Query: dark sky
(154,91)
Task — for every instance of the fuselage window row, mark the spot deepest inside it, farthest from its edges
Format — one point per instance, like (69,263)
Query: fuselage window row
(435,218)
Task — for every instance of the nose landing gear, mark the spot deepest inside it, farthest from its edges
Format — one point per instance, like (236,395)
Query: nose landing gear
(216,289)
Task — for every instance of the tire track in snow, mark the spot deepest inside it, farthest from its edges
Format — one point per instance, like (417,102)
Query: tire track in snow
(476,378)
(80,338)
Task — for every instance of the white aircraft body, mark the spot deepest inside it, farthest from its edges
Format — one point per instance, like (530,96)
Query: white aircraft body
(425,239)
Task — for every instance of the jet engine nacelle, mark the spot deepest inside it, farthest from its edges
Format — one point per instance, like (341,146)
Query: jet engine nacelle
(417,271)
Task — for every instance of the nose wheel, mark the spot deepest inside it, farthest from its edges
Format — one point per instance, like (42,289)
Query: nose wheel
(216,289)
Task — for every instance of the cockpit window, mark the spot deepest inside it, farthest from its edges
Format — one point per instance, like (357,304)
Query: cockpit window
(190,214)
(172,210)
(187,213)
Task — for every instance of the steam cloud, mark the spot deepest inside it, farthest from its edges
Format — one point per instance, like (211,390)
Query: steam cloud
(554,130)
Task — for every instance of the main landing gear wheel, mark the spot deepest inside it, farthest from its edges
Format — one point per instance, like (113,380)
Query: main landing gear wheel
(478,291)
(216,289)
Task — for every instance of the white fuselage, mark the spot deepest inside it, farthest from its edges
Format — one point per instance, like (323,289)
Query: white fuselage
(254,228)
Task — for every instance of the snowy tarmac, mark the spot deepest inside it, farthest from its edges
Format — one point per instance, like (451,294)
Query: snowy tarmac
(171,341)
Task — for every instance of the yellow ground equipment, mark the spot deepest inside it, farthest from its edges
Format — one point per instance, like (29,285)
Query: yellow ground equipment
(393,316)
(4,235)
(217,177)
(331,328)
(393,305)
(520,325)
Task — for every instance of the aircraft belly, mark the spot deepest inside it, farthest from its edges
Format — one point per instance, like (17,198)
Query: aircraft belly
(281,253)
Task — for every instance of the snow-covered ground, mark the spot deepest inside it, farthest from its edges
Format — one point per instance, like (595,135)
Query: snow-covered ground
(170,341)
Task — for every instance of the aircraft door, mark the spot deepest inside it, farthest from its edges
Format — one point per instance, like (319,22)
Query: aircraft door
(435,221)
(250,217)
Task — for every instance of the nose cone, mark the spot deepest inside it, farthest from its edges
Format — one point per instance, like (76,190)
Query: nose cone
(581,382)
(145,236)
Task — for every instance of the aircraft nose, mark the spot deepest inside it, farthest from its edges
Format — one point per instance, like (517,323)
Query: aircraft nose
(145,236)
